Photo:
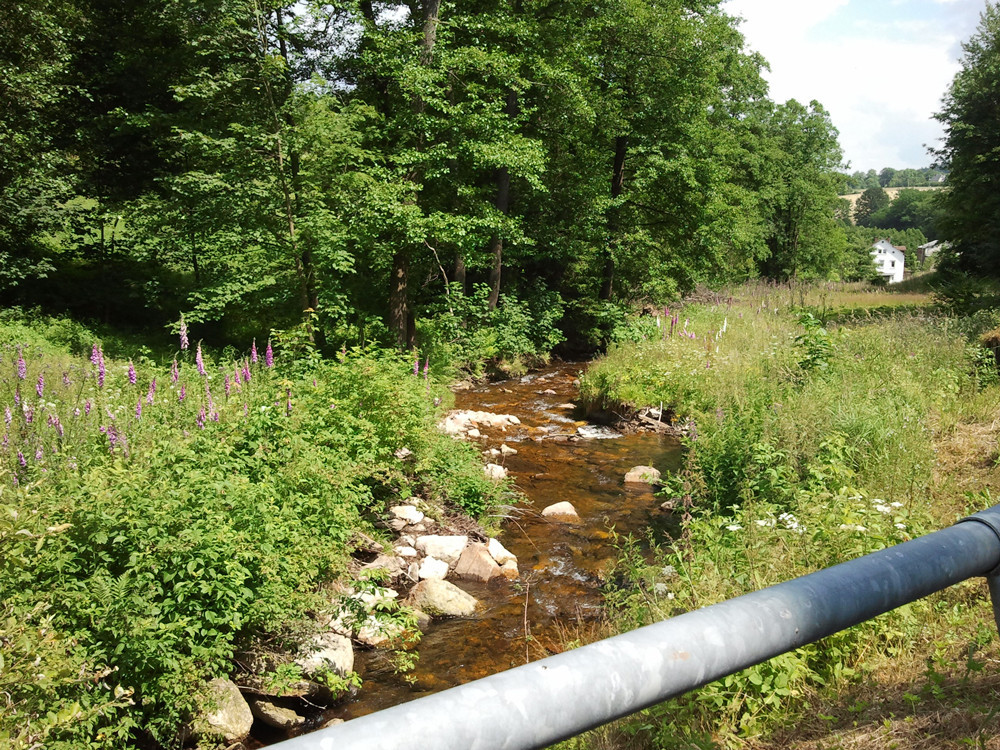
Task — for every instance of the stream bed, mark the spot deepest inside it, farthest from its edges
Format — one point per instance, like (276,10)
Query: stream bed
(560,457)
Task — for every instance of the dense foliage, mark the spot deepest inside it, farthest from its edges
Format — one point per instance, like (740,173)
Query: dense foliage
(157,521)
(971,119)
(816,425)
(365,166)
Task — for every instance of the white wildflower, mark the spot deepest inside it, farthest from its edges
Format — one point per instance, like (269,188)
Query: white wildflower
(901,526)
(883,509)
(852,527)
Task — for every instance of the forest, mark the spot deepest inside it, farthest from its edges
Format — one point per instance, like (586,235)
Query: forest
(376,171)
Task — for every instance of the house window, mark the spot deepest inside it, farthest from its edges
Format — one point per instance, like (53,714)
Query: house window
(893,264)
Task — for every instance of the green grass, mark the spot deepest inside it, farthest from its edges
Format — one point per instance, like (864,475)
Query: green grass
(810,445)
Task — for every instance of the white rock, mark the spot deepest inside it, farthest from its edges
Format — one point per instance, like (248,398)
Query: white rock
(431,567)
(509,570)
(274,715)
(492,452)
(563,511)
(507,450)
(476,564)
(474,433)
(406,551)
(407,513)
(642,475)
(379,597)
(441,598)
(229,714)
(326,652)
(443,547)
(496,472)
(498,552)
(377,634)
(403,453)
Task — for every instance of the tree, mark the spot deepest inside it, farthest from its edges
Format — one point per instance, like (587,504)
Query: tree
(971,119)
(870,201)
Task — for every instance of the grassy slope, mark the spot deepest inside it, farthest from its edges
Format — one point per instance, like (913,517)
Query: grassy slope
(815,445)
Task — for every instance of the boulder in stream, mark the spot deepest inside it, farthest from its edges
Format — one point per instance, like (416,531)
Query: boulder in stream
(642,475)
(431,567)
(476,564)
(509,570)
(326,652)
(226,712)
(442,599)
(274,715)
(443,547)
(496,472)
(563,511)
(498,552)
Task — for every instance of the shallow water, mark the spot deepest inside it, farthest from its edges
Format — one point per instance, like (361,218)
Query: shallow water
(559,458)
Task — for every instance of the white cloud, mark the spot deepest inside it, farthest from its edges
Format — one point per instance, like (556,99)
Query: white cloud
(879,68)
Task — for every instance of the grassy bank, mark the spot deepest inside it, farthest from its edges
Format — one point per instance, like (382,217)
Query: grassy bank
(809,444)
(160,519)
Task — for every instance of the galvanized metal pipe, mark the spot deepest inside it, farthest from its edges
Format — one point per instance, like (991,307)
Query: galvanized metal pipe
(561,696)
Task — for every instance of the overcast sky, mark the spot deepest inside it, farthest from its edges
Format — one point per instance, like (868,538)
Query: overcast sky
(879,67)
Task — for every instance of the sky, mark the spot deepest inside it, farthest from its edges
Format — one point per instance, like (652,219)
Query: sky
(879,67)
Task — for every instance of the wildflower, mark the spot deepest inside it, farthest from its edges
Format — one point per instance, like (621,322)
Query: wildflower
(246,372)
(22,367)
(200,420)
(131,373)
(895,505)
(900,526)
(225,384)
(246,410)
(427,367)
(39,454)
(883,509)
(151,392)
(112,439)
(29,414)
(416,366)
(17,396)
(852,527)
(269,355)
(183,394)
(100,369)
(86,407)
(288,401)
(199,363)
(215,416)
(175,371)
(7,416)
(184,335)
(253,352)
(66,379)
(76,412)
(765,522)
(314,382)
(138,409)
(734,527)
(22,460)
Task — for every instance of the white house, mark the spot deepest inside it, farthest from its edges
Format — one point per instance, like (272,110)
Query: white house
(889,260)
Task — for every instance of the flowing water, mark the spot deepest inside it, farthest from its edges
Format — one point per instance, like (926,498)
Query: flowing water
(559,458)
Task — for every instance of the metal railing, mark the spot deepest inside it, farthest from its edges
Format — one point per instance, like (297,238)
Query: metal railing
(552,699)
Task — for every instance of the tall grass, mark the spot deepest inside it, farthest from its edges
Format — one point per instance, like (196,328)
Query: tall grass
(808,445)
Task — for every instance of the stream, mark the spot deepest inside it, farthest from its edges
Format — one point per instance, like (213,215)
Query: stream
(559,458)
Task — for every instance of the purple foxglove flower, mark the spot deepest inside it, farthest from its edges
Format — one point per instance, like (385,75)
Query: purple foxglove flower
(200,420)
(269,355)
(175,371)
(151,392)
(314,382)
(246,372)
(17,396)
(138,409)
(66,379)
(131,373)
(76,412)
(225,384)
(29,414)
(416,366)
(59,427)
(112,439)
(215,416)
(100,368)
(246,410)
(182,394)
(39,454)
(253,352)
(427,367)
(184,335)
(86,407)
(199,363)
(22,366)
(7,416)
(40,385)
(6,441)
(22,460)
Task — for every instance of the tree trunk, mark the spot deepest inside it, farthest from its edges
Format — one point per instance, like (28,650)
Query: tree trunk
(617,188)
(502,204)
(460,273)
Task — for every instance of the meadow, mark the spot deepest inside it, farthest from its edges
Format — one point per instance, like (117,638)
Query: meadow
(814,434)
